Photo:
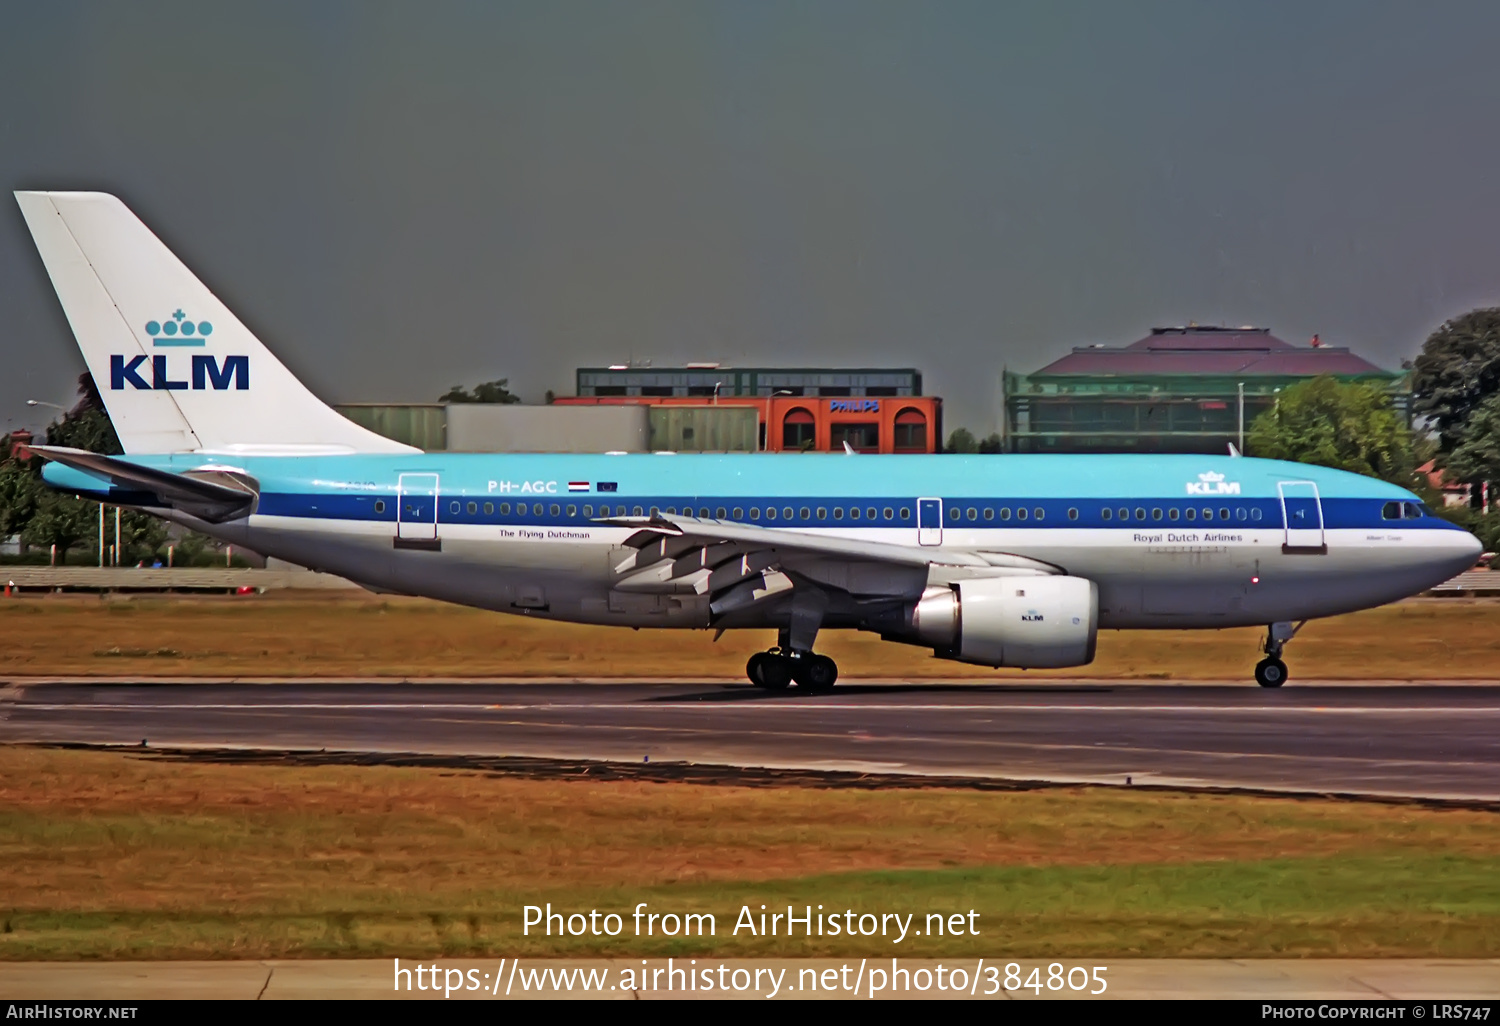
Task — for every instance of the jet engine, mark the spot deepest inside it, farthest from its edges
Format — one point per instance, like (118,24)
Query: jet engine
(1026,622)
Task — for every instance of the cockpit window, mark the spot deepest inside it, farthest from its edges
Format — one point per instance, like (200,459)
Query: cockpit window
(1391,511)
(1413,511)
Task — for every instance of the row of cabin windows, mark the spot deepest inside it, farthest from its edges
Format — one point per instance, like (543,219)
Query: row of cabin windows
(989,513)
(1391,511)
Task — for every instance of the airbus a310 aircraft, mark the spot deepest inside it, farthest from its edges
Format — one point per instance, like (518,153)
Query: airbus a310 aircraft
(1012,561)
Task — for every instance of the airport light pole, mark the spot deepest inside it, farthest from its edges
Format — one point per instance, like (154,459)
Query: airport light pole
(1242,418)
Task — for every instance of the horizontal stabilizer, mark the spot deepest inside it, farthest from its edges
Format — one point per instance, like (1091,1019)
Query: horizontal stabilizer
(210,494)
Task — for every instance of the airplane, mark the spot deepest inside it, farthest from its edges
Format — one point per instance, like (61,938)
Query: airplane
(999,561)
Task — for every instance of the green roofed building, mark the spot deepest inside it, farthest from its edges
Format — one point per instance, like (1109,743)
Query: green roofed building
(1178,390)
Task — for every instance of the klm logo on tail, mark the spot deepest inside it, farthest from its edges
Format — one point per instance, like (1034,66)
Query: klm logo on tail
(205,372)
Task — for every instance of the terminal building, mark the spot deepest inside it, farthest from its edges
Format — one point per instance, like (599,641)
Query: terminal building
(1178,390)
(875,410)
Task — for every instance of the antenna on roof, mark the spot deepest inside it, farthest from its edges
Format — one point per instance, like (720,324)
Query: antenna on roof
(1232,450)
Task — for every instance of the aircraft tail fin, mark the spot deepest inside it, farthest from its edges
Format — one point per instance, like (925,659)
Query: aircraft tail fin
(177,370)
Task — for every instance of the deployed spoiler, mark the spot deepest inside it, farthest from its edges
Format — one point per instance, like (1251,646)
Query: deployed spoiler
(212,494)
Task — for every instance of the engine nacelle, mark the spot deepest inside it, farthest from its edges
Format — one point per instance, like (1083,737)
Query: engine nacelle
(1026,622)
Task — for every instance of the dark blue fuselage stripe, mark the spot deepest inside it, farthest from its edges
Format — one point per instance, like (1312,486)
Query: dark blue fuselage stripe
(1337,513)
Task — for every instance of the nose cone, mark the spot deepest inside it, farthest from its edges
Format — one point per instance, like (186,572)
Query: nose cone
(1453,552)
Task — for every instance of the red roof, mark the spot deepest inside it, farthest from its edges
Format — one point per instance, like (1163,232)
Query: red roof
(1211,351)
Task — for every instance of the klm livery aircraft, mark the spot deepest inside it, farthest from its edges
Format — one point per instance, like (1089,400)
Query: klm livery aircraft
(997,560)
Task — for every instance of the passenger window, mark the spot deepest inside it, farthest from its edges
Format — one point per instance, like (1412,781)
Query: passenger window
(520,509)
(489,509)
(889,513)
(870,513)
(1172,513)
(804,513)
(379,506)
(739,513)
(1020,513)
(1208,514)
(754,512)
(703,513)
(972,513)
(572,511)
(588,511)
(505,509)
(770,512)
(1191,513)
(453,507)
(989,512)
(1156,514)
(473,508)
(905,513)
(638,511)
(854,513)
(1072,514)
(952,512)
(838,512)
(1004,512)
(822,512)
(1255,514)
(1106,513)
(1223,512)
(721,513)
(1140,513)
(556,510)
(1039,513)
(1124,513)
(1239,513)
(786,512)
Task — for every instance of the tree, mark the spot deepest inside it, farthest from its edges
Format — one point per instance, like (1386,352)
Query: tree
(19,489)
(484,392)
(1477,456)
(60,520)
(962,440)
(992,445)
(1346,425)
(1457,371)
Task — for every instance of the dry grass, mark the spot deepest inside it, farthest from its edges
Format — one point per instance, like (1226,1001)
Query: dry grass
(126,855)
(360,634)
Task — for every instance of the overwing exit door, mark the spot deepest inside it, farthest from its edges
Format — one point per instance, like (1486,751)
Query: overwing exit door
(929,521)
(416,512)
(1302,513)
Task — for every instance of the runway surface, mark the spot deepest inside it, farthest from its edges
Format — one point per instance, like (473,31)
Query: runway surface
(1434,740)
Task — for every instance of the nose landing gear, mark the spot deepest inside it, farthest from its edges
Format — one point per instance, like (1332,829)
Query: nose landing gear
(1271,672)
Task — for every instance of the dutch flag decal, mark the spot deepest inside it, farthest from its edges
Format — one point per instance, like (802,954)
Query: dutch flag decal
(578,486)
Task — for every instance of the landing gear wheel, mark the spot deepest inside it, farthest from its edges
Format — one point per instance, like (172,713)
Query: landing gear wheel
(753,668)
(815,673)
(774,672)
(1270,673)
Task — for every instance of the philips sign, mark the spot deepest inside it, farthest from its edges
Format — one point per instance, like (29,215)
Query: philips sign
(854,406)
(205,372)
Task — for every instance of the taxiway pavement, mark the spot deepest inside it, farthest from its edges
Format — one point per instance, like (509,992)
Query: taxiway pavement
(1432,740)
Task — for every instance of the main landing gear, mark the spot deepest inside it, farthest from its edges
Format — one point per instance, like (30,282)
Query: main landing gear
(1270,672)
(777,669)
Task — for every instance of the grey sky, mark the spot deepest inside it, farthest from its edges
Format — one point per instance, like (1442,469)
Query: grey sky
(400,197)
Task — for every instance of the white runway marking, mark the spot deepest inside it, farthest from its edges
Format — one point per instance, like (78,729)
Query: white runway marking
(788,706)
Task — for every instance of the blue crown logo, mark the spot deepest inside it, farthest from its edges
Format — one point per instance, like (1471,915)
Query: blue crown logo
(179,331)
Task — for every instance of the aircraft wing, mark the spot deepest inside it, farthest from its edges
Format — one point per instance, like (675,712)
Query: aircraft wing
(738,564)
(210,494)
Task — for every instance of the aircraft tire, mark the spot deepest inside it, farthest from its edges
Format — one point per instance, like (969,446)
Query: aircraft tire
(775,672)
(1270,673)
(753,667)
(817,673)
